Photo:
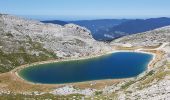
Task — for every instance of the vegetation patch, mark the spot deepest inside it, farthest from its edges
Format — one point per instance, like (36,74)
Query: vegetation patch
(111,96)
(98,92)
(127,84)
(150,77)
(9,61)
(40,97)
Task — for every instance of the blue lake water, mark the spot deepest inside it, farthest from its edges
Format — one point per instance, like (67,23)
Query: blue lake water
(113,66)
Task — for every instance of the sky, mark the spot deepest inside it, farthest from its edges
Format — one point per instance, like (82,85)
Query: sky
(86,9)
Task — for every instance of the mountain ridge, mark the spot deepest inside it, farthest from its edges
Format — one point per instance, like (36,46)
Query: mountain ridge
(109,29)
(96,26)
(138,26)
(25,41)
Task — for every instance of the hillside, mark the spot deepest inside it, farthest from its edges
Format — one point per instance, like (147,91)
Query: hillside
(25,41)
(154,83)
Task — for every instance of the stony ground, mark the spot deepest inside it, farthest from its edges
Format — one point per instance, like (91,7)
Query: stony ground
(155,83)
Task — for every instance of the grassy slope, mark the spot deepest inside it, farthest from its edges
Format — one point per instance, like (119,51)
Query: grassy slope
(9,61)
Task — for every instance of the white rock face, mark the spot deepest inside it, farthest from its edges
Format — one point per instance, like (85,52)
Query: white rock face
(69,40)
(159,91)
(35,41)
(70,90)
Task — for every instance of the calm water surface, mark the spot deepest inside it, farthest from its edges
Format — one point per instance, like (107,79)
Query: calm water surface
(113,66)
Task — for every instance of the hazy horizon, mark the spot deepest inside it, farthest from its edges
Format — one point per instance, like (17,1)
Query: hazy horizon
(70,18)
(86,9)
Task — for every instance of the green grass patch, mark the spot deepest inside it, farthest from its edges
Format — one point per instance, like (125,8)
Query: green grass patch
(127,84)
(157,76)
(112,96)
(12,60)
(98,92)
(168,66)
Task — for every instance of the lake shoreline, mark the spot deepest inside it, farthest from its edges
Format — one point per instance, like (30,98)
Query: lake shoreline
(23,86)
(83,58)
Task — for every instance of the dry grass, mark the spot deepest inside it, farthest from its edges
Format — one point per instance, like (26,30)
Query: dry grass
(158,57)
(152,47)
(125,48)
(9,81)
(12,83)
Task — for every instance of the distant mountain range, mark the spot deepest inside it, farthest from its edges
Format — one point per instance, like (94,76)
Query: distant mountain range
(97,26)
(137,26)
(109,29)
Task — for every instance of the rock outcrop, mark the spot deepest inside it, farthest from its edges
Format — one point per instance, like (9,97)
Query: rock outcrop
(25,41)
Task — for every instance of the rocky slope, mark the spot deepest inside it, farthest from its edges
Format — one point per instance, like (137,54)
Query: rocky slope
(148,38)
(25,41)
(154,84)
